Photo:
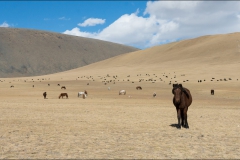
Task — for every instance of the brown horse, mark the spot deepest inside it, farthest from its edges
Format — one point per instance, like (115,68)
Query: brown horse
(45,95)
(139,87)
(212,92)
(182,100)
(63,87)
(62,95)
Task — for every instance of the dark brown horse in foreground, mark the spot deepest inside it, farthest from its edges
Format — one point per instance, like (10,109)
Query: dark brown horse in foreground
(182,100)
(62,95)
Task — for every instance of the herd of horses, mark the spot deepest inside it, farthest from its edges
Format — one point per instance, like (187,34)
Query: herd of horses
(182,99)
(80,94)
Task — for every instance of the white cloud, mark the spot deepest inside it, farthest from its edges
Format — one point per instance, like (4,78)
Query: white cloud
(76,32)
(63,18)
(92,22)
(166,21)
(4,24)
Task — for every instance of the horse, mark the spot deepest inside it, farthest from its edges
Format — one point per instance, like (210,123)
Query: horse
(63,87)
(45,95)
(62,95)
(84,94)
(139,87)
(154,94)
(182,100)
(212,92)
(122,92)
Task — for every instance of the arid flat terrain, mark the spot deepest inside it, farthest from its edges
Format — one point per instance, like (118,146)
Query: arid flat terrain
(135,125)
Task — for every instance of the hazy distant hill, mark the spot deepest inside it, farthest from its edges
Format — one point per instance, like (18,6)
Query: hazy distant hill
(25,52)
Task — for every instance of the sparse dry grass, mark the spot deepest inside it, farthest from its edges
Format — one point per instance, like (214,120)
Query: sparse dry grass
(106,125)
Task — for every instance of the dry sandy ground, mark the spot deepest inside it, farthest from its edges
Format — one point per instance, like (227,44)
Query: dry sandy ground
(106,125)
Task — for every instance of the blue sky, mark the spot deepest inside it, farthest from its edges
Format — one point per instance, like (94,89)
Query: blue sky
(141,24)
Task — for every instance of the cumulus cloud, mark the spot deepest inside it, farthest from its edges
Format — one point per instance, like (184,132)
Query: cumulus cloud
(92,22)
(4,24)
(167,21)
(77,32)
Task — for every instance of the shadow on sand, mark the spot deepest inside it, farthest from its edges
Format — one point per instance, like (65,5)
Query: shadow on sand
(174,125)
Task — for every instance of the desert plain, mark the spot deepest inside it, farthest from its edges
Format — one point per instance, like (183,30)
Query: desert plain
(106,125)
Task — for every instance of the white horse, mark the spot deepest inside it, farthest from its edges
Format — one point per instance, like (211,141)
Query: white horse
(83,94)
(122,92)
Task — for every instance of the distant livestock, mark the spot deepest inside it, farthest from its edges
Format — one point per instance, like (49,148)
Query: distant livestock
(63,87)
(83,94)
(139,87)
(63,95)
(122,92)
(45,95)
(182,100)
(154,94)
(212,92)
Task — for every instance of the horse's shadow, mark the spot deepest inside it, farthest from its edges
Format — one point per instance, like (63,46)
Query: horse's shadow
(174,125)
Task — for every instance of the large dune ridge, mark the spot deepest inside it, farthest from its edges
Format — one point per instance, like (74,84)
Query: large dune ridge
(136,125)
(25,52)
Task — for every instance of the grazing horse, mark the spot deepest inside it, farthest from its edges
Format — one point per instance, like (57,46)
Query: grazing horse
(139,87)
(83,94)
(212,92)
(45,95)
(63,87)
(182,100)
(122,92)
(62,95)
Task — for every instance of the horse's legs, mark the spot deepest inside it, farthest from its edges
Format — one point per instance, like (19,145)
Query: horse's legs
(182,117)
(179,118)
(185,117)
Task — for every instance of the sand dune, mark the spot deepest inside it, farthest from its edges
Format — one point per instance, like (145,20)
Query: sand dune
(135,125)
